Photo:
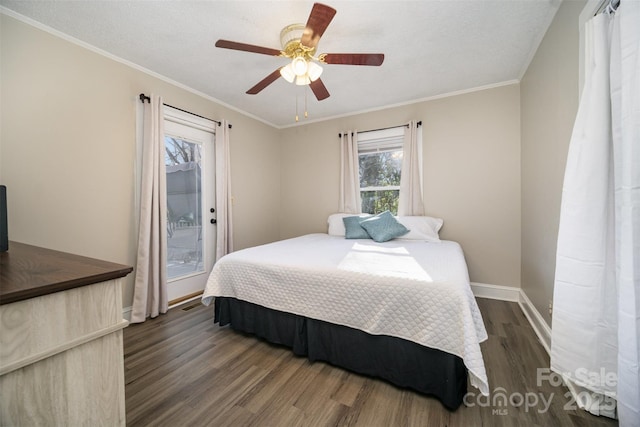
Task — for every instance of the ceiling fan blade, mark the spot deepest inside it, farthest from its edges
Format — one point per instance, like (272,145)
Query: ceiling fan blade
(319,90)
(374,59)
(226,44)
(319,19)
(264,82)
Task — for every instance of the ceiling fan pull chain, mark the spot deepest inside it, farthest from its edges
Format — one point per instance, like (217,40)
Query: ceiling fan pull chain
(306,91)
(296,107)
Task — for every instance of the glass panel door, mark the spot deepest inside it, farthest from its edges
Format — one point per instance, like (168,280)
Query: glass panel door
(189,162)
(184,207)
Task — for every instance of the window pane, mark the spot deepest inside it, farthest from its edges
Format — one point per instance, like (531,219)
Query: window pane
(184,210)
(380,169)
(374,202)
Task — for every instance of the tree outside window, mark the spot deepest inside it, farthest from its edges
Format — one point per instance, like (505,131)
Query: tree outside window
(380,164)
(380,181)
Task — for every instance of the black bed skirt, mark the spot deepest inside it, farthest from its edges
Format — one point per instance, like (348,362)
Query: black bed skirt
(400,362)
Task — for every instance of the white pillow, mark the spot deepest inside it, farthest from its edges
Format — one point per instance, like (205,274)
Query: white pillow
(336,225)
(421,228)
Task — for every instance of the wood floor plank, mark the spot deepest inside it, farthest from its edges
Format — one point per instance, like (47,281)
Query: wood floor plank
(326,383)
(262,394)
(181,369)
(349,388)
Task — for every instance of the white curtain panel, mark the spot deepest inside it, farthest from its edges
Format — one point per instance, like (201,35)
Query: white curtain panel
(150,291)
(596,293)
(625,104)
(584,323)
(410,200)
(350,201)
(224,225)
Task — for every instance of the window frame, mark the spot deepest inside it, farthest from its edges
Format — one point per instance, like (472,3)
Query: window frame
(381,141)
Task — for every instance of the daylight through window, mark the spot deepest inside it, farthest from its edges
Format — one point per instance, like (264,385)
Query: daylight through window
(380,163)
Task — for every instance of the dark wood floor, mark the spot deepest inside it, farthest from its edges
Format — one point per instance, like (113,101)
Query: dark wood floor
(181,369)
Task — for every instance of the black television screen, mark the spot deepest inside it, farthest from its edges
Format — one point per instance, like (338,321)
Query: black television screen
(4,232)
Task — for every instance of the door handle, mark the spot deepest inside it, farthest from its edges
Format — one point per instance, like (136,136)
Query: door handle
(213,221)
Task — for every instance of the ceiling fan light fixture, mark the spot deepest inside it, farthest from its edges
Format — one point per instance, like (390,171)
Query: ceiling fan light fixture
(299,65)
(287,73)
(314,71)
(303,80)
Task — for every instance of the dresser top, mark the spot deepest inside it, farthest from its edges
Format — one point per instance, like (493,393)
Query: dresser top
(30,271)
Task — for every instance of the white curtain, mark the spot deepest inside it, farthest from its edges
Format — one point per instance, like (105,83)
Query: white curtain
(224,228)
(350,201)
(596,313)
(410,200)
(150,292)
(625,105)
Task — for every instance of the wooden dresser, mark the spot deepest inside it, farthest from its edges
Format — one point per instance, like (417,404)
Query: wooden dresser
(61,354)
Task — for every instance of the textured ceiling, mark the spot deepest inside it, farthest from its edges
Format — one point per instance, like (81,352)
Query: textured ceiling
(431,47)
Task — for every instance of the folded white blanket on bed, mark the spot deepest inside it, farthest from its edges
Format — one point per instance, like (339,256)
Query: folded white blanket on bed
(415,290)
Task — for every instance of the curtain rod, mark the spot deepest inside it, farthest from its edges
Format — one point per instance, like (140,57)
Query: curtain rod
(144,97)
(390,127)
(608,7)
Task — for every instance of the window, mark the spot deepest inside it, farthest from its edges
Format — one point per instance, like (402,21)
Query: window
(380,163)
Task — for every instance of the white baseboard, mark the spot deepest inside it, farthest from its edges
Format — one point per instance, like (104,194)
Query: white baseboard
(539,325)
(502,293)
(126,313)
(513,294)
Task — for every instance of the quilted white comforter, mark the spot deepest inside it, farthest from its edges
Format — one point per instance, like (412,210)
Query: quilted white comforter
(408,289)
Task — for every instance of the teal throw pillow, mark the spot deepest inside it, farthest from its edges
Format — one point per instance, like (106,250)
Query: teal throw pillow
(353,229)
(383,227)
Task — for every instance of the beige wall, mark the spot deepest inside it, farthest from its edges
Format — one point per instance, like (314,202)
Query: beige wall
(68,148)
(472,174)
(549,97)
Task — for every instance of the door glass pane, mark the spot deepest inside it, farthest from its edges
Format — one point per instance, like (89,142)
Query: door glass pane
(184,207)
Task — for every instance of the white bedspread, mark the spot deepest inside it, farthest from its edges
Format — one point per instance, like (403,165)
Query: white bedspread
(408,289)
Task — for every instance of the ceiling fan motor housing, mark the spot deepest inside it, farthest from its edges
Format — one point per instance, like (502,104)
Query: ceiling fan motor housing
(290,37)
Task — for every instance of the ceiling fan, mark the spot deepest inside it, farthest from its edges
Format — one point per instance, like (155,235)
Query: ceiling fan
(299,44)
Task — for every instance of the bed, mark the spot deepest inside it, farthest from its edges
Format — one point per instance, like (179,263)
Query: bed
(400,310)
